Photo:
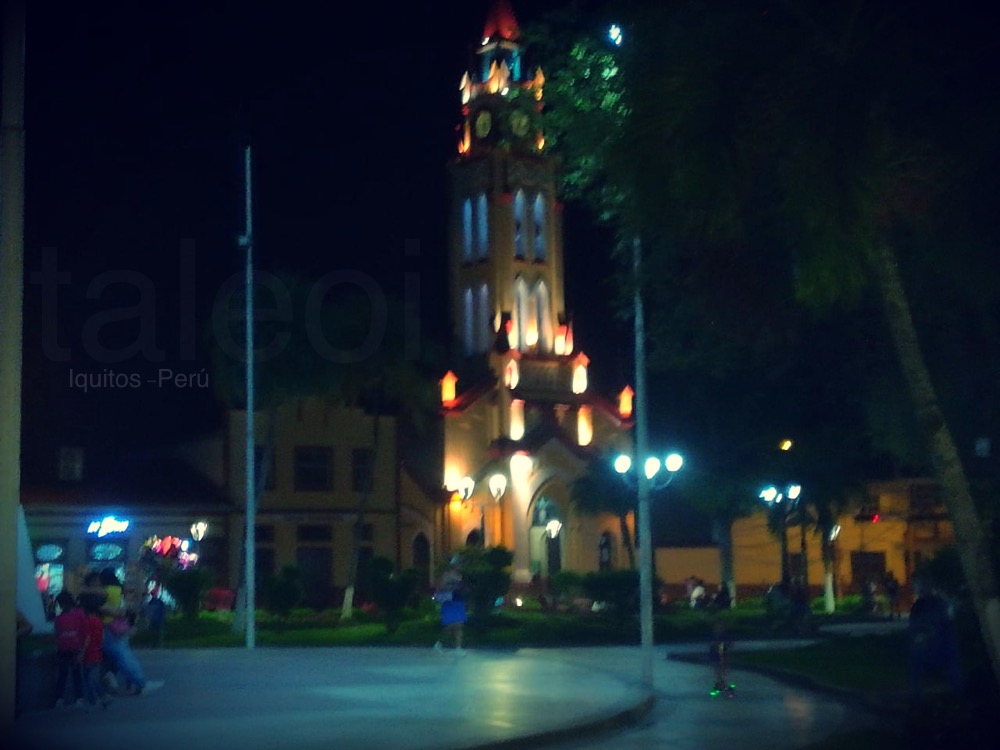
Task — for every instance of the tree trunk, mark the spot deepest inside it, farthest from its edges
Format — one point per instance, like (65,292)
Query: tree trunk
(829,552)
(627,540)
(970,537)
(347,610)
(722,530)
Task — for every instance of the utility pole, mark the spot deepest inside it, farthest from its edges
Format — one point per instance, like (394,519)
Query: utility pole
(11,348)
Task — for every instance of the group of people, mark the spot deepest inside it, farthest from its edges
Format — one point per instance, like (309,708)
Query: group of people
(698,597)
(92,644)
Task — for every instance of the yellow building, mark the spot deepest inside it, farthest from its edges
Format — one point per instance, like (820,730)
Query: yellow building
(899,524)
(311,498)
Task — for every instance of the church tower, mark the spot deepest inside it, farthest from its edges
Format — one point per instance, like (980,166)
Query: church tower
(514,442)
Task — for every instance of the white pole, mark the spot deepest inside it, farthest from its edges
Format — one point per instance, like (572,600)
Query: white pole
(249,546)
(642,482)
(11,349)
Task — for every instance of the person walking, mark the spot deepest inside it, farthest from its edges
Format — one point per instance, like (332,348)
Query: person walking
(450,594)
(116,636)
(70,628)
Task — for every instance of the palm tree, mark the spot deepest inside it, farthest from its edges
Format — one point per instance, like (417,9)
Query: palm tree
(392,377)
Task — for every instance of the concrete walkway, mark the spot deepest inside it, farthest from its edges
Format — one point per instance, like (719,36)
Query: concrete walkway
(415,698)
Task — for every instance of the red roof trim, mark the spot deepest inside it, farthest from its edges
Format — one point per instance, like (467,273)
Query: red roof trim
(501,22)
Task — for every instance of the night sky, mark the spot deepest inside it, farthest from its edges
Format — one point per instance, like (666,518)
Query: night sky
(136,121)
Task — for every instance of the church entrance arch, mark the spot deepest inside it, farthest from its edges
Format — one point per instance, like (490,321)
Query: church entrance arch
(546,536)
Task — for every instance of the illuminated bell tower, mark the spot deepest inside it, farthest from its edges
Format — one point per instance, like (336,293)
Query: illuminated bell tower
(513,444)
(506,232)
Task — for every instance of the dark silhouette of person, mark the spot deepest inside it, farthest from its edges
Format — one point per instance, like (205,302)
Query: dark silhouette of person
(933,645)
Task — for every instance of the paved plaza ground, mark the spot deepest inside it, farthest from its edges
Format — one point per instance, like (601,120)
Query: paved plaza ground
(416,698)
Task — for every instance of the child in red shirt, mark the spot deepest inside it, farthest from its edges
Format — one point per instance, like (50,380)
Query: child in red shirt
(71,637)
(93,654)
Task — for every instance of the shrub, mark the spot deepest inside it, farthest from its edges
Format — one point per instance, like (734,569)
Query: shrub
(486,575)
(618,589)
(392,591)
(283,592)
(188,586)
(566,584)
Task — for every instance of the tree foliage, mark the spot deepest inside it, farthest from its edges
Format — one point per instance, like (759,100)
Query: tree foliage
(804,162)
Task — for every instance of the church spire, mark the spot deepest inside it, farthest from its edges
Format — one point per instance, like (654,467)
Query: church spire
(501,23)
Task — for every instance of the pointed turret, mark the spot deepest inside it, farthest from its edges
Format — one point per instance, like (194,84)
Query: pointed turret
(501,22)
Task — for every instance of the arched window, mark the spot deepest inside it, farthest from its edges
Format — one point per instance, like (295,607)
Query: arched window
(516,419)
(467,237)
(543,324)
(519,317)
(467,321)
(538,214)
(519,216)
(482,227)
(420,552)
(483,323)
(584,426)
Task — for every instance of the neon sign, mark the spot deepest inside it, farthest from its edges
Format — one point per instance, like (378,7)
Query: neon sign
(107,525)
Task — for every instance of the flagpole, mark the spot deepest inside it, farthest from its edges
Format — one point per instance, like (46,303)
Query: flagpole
(249,546)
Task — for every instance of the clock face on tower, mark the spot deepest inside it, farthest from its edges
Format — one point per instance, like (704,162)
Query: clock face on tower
(484,123)
(519,124)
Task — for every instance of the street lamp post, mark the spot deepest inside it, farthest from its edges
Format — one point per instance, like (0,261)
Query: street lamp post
(650,478)
(775,499)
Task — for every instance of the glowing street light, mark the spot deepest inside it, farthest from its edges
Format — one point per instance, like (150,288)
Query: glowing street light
(773,498)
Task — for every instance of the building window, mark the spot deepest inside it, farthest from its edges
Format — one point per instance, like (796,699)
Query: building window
(468,321)
(263,534)
(516,419)
(520,315)
(70,464)
(313,468)
(467,238)
(314,532)
(584,426)
(362,469)
(266,470)
(542,323)
(519,225)
(539,220)
(482,228)
(484,329)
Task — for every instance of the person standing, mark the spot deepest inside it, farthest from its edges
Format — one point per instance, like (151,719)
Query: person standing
(933,644)
(93,653)
(71,639)
(450,594)
(156,617)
